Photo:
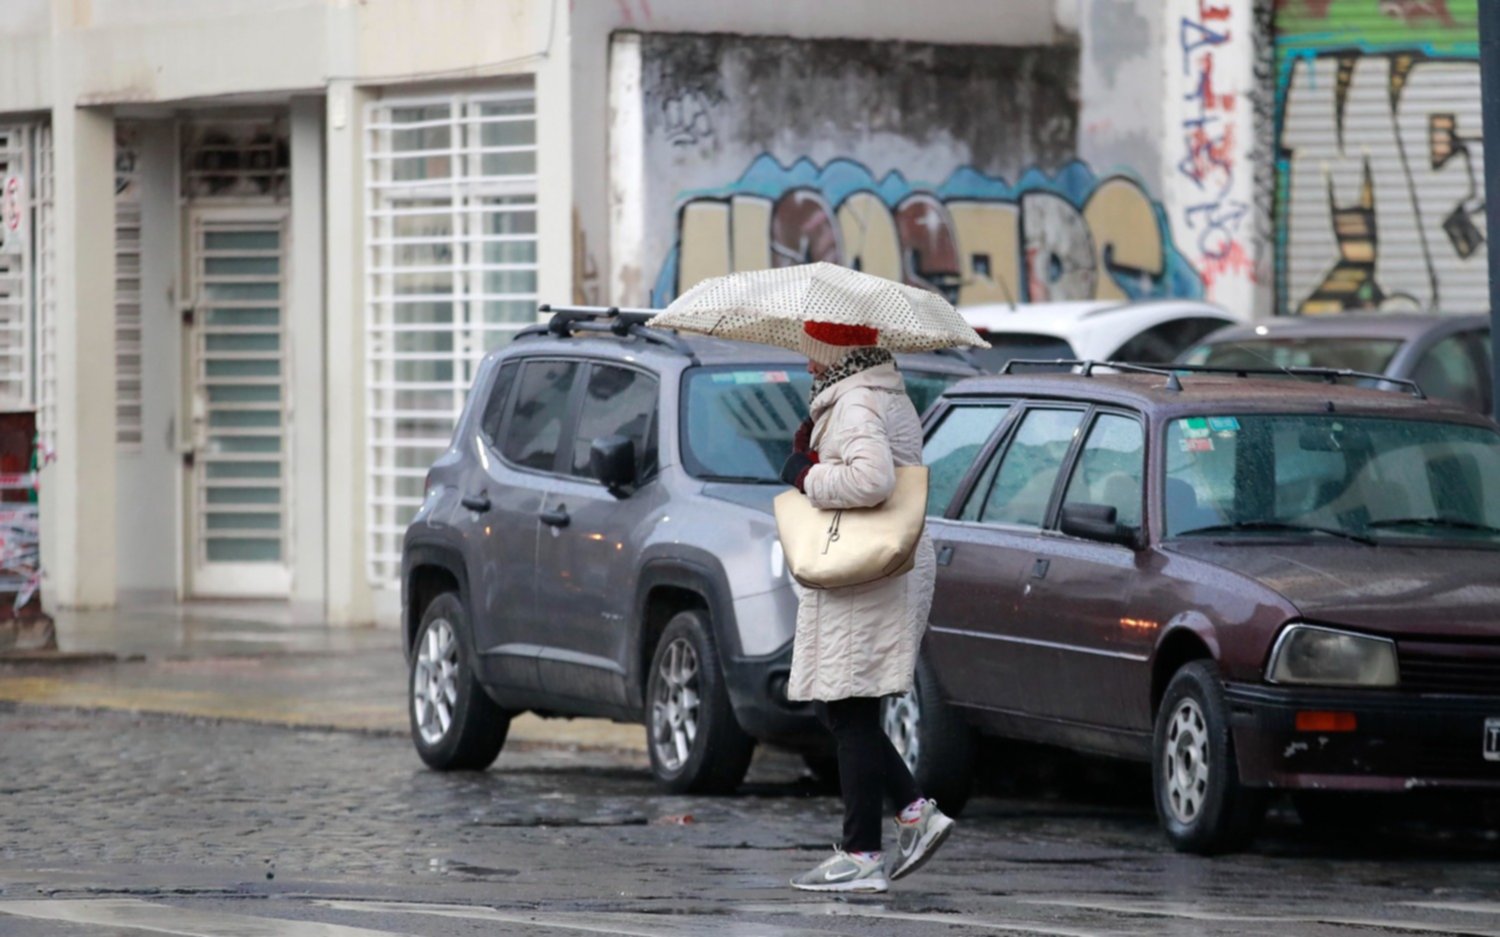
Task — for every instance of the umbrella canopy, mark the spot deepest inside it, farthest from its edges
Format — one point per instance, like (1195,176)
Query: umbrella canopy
(770,307)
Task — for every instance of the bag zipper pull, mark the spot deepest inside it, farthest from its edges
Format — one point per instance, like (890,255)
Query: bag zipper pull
(833,531)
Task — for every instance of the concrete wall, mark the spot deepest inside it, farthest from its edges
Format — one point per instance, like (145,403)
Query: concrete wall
(947,166)
(595,269)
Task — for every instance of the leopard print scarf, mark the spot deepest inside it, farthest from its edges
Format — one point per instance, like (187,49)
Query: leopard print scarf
(854,361)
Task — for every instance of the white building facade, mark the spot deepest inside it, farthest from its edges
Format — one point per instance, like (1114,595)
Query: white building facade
(254,248)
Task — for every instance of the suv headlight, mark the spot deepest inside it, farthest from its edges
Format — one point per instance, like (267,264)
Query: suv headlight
(1325,657)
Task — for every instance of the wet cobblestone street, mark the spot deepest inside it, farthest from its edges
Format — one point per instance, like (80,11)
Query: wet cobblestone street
(117,823)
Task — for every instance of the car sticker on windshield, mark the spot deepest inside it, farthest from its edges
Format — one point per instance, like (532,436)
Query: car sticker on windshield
(1195,428)
(751,377)
(1224,425)
(1197,444)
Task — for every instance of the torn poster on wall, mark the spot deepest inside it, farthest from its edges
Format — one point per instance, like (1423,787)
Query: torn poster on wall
(1071,235)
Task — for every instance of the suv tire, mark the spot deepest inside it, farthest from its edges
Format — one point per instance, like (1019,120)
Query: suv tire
(695,743)
(454,723)
(1200,802)
(943,759)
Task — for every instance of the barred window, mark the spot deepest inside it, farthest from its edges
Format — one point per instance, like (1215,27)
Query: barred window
(451,250)
(27,298)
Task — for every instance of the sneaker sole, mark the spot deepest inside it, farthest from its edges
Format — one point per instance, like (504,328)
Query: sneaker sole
(869,886)
(920,859)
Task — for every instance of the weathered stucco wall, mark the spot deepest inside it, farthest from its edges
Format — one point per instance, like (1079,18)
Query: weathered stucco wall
(954,167)
(1381,156)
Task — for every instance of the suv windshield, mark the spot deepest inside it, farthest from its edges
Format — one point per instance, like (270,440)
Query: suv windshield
(1356,354)
(738,422)
(1357,478)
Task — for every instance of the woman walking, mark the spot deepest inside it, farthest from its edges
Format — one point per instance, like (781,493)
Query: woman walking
(857,644)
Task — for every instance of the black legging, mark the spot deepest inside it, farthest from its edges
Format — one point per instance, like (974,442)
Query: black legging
(869,769)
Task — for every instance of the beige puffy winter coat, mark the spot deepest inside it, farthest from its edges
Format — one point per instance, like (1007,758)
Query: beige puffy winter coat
(862,640)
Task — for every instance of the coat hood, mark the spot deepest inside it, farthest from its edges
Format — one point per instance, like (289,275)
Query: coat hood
(1389,589)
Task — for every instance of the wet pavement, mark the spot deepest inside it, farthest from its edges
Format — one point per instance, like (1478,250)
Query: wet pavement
(120,823)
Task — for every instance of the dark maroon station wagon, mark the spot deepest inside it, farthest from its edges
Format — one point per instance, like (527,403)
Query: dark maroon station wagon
(1253,583)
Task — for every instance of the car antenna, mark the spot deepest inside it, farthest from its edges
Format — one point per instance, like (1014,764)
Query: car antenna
(1010,298)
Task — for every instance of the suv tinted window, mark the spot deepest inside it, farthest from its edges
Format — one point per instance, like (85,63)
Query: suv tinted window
(1110,467)
(952,447)
(617,402)
(1447,371)
(1164,342)
(535,428)
(1027,473)
(494,410)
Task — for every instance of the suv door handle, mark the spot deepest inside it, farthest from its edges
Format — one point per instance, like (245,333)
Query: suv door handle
(557,518)
(1039,569)
(479,503)
(945,554)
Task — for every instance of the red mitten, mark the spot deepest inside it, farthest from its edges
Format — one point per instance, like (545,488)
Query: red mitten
(803,440)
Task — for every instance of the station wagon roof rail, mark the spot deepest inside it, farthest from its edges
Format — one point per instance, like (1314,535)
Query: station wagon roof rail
(1172,372)
(606,320)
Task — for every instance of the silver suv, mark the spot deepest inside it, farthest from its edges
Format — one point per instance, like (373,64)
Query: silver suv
(597,541)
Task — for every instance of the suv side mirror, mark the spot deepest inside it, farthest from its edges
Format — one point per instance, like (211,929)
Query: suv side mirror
(1097,522)
(612,459)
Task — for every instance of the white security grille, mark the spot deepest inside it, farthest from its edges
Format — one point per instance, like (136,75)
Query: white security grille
(46,288)
(17,374)
(27,336)
(451,251)
(128,398)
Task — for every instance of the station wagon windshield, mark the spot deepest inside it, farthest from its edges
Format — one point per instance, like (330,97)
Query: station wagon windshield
(1363,479)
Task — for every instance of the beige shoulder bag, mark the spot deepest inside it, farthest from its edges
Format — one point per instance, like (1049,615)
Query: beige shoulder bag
(834,549)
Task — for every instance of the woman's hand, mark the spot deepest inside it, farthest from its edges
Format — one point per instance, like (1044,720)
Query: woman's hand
(802,442)
(798,464)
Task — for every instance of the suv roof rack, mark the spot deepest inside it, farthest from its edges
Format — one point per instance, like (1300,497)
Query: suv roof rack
(1172,372)
(622,322)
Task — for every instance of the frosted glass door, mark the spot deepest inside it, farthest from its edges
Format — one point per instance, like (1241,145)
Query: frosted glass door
(240,463)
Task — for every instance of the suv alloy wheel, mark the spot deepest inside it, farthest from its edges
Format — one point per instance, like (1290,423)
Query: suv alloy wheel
(1202,806)
(696,746)
(932,739)
(454,723)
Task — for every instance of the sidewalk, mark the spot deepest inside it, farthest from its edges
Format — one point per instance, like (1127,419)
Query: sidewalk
(252,662)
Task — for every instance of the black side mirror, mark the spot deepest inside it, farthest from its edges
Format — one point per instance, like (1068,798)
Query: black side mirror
(1097,522)
(612,459)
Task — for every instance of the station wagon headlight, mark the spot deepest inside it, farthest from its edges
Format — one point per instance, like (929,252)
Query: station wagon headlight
(1325,657)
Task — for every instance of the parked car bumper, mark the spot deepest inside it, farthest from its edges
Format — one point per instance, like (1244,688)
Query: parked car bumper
(1400,741)
(757,691)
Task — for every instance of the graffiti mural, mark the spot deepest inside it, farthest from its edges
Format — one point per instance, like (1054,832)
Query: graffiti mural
(1380,157)
(974,238)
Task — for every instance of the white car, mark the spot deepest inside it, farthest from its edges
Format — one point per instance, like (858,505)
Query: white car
(1153,332)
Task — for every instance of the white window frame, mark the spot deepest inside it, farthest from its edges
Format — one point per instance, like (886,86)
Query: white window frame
(465,197)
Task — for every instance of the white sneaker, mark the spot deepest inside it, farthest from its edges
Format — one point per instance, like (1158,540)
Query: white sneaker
(917,840)
(844,872)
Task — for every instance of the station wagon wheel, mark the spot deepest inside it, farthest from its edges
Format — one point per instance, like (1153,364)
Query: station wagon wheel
(454,723)
(695,743)
(1200,802)
(1186,757)
(932,738)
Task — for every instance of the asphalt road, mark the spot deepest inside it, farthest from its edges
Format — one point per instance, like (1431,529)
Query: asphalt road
(114,824)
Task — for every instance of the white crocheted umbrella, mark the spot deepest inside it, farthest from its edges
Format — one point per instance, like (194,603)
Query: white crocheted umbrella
(769,307)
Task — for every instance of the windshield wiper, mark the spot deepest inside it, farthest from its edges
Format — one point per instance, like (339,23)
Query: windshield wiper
(740,479)
(1282,526)
(1452,523)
